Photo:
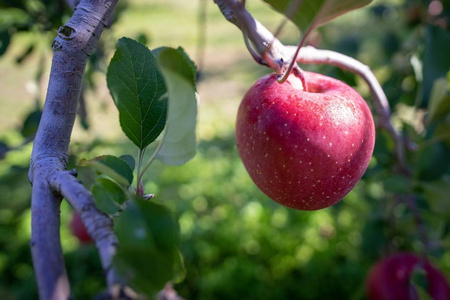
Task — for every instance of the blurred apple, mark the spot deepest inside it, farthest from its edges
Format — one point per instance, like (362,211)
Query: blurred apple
(79,230)
(391,279)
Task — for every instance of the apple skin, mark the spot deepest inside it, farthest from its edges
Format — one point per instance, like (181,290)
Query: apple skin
(79,230)
(305,150)
(389,279)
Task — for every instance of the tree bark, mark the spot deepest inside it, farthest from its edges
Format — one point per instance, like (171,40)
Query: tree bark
(72,46)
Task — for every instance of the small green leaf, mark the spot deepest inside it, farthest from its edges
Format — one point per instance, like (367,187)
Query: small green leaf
(149,237)
(179,144)
(177,61)
(420,283)
(108,195)
(4,148)
(397,184)
(437,195)
(309,14)
(129,160)
(439,104)
(5,39)
(179,268)
(31,123)
(139,92)
(436,61)
(114,167)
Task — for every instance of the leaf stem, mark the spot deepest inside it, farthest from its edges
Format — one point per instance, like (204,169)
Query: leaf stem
(140,186)
(150,160)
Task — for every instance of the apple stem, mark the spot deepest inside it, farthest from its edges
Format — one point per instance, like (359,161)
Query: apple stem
(298,72)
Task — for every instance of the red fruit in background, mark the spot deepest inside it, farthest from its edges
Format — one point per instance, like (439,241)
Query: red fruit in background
(304,149)
(79,230)
(390,279)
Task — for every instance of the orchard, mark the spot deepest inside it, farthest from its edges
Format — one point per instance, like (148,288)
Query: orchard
(225,149)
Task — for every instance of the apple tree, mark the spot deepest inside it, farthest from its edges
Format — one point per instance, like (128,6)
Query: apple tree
(305,139)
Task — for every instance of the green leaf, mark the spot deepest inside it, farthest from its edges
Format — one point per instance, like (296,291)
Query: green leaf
(179,268)
(179,144)
(108,195)
(397,184)
(436,61)
(420,283)
(129,160)
(31,123)
(4,148)
(437,194)
(439,104)
(13,17)
(5,39)
(309,14)
(139,92)
(112,166)
(177,61)
(149,237)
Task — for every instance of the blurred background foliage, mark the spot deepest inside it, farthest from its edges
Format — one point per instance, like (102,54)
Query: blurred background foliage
(237,243)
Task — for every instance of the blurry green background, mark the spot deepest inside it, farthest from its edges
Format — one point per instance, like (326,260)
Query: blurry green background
(237,243)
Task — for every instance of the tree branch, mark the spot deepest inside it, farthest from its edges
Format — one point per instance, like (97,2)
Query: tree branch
(72,47)
(98,225)
(277,56)
(272,50)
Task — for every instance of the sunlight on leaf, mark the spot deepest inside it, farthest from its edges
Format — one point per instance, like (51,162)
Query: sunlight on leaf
(179,144)
(309,14)
(139,92)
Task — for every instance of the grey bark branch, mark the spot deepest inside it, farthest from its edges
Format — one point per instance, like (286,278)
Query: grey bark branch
(72,47)
(98,225)
(272,50)
(277,56)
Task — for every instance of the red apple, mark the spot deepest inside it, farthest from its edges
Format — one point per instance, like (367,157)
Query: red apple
(304,149)
(390,279)
(79,230)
